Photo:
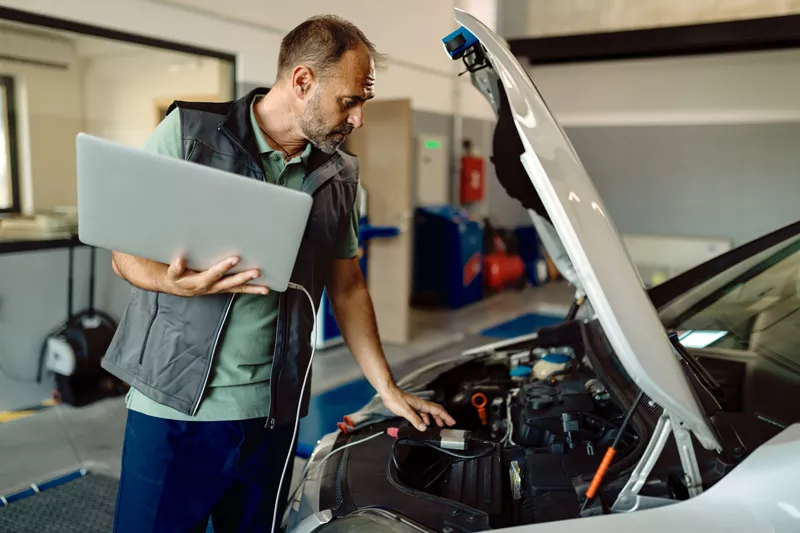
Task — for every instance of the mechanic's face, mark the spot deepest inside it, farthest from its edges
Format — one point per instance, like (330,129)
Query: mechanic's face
(335,103)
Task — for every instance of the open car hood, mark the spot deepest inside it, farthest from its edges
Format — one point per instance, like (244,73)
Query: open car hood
(572,221)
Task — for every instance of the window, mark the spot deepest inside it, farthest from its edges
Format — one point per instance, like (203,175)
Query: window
(71,78)
(757,311)
(9,175)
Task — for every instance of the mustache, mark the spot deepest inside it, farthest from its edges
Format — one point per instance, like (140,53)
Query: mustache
(345,129)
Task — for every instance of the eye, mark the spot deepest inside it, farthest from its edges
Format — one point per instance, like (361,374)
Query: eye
(349,103)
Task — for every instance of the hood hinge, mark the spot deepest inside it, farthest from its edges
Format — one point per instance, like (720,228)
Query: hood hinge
(629,499)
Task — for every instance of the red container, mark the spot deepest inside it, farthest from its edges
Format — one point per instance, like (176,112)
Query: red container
(502,270)
(473,179)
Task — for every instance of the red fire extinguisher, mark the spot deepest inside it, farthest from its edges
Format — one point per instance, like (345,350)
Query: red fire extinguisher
(472,179)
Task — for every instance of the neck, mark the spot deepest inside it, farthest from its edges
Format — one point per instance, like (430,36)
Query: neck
(276,118)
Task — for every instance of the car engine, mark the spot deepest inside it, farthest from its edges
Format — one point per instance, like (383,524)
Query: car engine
(534,422)
(544,420)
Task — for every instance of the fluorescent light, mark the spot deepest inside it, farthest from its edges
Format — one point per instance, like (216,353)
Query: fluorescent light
(701,338)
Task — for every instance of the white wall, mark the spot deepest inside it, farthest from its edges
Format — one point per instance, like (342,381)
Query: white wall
(33,301)
(692,146)
(409,32)
(559,17)
(50,113)
(753,87)
(126,89)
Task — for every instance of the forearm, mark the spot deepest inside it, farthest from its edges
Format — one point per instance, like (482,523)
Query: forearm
(355,316)
(139,272)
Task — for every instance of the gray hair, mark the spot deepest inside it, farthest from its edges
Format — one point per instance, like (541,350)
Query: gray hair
(320,42)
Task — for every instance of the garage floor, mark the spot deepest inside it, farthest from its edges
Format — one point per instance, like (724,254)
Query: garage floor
(61,439)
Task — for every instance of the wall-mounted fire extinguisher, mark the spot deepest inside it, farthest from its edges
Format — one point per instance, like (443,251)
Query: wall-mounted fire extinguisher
(473,175)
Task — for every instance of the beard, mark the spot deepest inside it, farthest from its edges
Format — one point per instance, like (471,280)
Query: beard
(313,126)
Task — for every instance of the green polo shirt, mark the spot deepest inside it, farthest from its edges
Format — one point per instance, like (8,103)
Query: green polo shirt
(239,385)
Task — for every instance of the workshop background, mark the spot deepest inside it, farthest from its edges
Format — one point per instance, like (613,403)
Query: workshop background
(693,151)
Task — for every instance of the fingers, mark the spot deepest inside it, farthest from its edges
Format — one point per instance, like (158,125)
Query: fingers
(216,272)
(426,418)
(237,283)
(436,410)
(249,289)
(176,268)
(412,417)
(418,411)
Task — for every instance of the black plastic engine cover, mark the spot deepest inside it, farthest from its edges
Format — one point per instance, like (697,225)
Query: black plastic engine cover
(537,412)
(549,507)
(359,478)
(548,482)
(477,483)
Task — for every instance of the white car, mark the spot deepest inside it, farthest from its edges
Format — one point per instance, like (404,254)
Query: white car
(695,384)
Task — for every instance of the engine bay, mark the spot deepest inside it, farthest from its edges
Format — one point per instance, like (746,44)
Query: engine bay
(539,422)
(534,423)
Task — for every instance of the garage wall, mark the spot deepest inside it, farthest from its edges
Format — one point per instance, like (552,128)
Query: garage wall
(731,181)
(559,17)
(252,29)
(34,304)
(123,106)
(740,88)
(693,146)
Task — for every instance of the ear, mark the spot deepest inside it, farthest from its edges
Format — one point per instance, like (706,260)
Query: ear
(302,81)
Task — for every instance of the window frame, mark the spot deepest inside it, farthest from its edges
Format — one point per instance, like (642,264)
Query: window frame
(45,21)
(10,118)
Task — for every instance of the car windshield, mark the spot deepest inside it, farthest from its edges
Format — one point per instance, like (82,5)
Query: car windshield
(756,308)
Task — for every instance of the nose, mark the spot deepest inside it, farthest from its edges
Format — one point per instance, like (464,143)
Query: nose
(356,118)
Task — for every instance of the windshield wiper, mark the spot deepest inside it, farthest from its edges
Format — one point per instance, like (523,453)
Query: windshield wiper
(696,370)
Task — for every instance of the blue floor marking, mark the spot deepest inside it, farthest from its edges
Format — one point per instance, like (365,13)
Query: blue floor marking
(328,408)
(522,325)
(29,491)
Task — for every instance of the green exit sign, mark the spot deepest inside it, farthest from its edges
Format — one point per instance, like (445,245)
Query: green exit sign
(433,144)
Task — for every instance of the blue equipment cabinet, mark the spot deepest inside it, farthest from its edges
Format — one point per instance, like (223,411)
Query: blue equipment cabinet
(328,333)
(448,257)
(531,253)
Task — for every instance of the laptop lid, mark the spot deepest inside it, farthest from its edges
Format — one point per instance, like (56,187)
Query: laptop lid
(159,207)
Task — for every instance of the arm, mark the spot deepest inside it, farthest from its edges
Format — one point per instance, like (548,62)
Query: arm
(352,307)
(175,279)
(139,272)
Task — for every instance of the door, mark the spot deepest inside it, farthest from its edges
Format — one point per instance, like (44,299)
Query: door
(384,150)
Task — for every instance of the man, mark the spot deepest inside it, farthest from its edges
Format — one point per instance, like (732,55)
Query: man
(216,364)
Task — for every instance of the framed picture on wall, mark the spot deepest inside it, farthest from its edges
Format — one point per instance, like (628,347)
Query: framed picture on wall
(162,104)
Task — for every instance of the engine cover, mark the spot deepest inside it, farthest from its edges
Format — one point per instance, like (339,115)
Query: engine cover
(546,415)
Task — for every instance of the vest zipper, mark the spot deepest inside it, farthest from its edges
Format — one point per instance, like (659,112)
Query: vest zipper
(149,329)
(282,319)
(213,351)
(274,382)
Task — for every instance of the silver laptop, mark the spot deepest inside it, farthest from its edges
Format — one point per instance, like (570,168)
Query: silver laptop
(160,207)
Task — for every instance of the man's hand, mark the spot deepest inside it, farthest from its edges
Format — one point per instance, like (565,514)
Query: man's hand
(215,280)
(353,310)
(176,279)
(415,409)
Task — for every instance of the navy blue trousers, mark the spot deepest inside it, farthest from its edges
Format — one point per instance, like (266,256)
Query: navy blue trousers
(176,476)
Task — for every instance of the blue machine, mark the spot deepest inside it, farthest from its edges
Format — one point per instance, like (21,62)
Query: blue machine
(448,257)
(531,254)
(328,332)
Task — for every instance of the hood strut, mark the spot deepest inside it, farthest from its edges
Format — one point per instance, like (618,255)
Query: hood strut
(629,499)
